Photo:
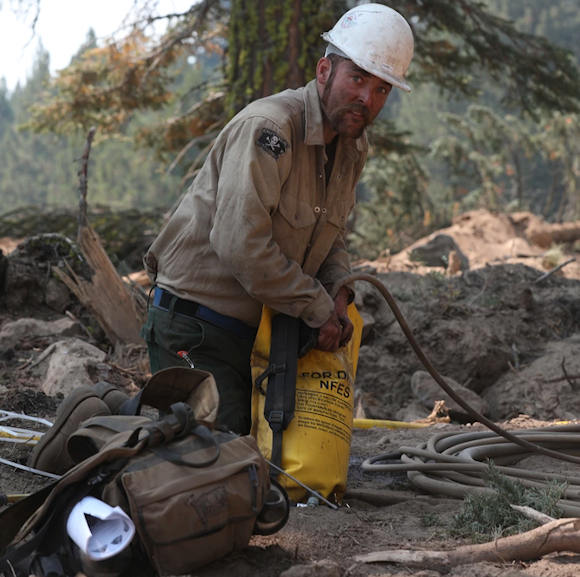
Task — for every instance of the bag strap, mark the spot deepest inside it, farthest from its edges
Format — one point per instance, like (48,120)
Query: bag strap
(281,374)
(203,433)
(13,517)
(180,423)
(48,538)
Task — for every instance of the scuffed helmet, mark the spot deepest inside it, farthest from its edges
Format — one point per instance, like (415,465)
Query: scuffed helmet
(377,39)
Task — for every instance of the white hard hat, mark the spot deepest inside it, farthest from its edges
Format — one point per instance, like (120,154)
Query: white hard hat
(377,39)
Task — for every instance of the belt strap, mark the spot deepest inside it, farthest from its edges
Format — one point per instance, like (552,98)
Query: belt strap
(162,299)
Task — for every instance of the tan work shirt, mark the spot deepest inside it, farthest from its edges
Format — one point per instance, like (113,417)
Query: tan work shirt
(260,225)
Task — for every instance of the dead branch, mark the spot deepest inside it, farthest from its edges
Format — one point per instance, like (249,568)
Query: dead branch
(532,514)
(558,379)
(83,179)
(556,536)
(439,414)
(568,378)
(554,270)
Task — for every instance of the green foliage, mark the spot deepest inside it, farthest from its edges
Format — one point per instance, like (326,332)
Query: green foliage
(41,169)
(124,232)
(273,45)
(492,161)
(457,41)
(487,150)
(159,102)
(486,517)
(393,203)
(558,140)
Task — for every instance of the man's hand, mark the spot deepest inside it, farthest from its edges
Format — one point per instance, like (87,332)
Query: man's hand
(337,330)
(340,306)
(330,334)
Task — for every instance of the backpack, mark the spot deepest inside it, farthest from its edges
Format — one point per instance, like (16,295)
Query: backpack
(194,495)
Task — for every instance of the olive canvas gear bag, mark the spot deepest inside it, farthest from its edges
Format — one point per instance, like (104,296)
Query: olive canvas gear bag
(193,493)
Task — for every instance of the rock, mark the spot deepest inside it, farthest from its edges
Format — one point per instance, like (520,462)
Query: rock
(324,568)
(65,365)
(427,391)
(436,253)
(368,325)
(15,331)
(414,411)
(57,296)
(547,388)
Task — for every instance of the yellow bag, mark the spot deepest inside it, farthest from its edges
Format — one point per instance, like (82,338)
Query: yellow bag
(316,443)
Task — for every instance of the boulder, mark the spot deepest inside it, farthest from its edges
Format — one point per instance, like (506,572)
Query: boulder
(66,364)
(436,252)
(427,391)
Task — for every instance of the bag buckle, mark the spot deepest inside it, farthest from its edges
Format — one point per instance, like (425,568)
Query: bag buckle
(276,420)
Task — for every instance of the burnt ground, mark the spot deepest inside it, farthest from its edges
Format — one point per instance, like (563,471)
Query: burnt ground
(495,330)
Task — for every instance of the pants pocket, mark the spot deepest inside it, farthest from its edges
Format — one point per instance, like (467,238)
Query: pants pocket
(166,335)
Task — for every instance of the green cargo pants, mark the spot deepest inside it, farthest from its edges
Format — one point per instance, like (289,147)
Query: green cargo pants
(211,348)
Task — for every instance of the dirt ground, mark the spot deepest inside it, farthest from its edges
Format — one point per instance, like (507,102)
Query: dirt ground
(497,328)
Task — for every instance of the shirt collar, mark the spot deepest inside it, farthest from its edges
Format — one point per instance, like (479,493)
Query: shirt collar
(313,133)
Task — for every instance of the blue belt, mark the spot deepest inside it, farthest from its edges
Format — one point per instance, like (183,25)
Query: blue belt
(163,300)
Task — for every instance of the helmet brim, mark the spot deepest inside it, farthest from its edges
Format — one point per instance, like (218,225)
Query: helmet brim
(368,66)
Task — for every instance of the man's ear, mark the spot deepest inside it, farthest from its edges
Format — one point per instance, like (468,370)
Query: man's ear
(323,70)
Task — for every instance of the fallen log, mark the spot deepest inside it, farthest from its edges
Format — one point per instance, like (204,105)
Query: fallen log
(557,536)
(545,234)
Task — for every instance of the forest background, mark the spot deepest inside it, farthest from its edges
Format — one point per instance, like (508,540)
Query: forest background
(493,120)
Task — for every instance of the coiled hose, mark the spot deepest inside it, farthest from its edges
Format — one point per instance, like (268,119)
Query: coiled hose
(448,463)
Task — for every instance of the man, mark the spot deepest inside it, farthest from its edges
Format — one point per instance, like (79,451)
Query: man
(264,221)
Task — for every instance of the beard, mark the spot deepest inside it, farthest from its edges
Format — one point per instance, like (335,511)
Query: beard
(340,118)
(343,123)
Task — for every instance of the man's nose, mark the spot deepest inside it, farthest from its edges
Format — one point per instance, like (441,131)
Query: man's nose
(365,96)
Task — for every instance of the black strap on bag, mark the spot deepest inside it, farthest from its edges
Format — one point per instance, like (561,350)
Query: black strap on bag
(281,375)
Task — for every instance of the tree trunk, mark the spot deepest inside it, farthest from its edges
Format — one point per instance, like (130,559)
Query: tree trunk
(105,294)
(275,45)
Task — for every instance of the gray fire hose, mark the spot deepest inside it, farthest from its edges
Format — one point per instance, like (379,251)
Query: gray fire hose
(448,462)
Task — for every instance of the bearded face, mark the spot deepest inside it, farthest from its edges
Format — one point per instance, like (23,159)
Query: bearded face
(352,98)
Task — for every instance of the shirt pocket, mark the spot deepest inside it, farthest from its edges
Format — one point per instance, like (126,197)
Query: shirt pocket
(338,214)
(292,226)
(296,212)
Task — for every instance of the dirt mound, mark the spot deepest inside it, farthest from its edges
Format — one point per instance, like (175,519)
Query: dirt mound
(496,322)
(487,238)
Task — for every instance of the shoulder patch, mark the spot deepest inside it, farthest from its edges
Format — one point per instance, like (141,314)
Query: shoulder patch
(272,143)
